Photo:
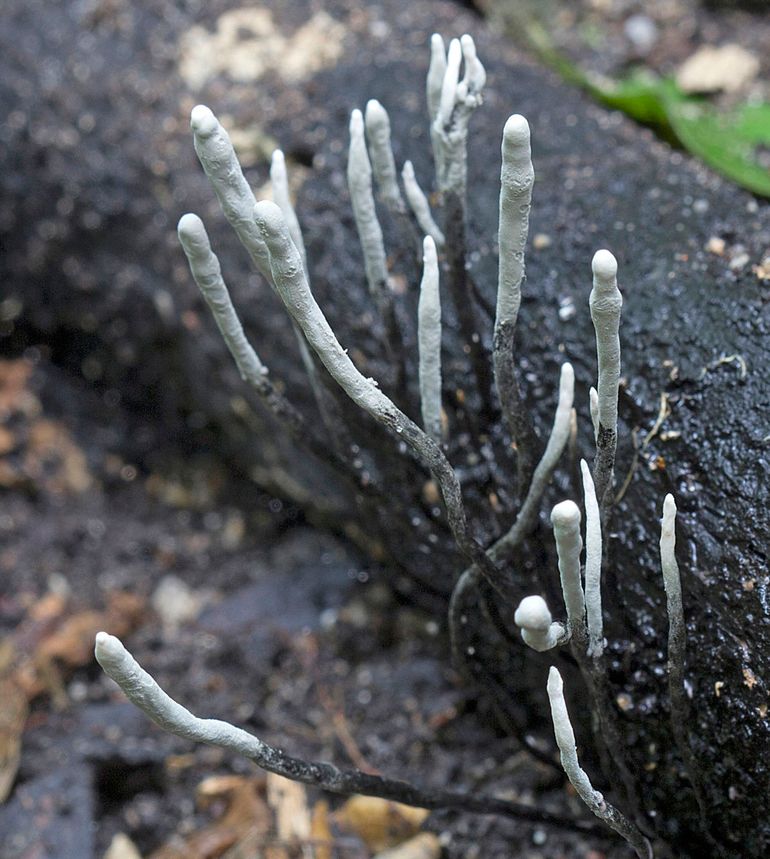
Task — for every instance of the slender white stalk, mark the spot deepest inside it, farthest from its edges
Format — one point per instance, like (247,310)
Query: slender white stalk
(429,342)
(593,567)
(381,153)
(565,518)
(206,270)
(449,83)
(593,405)
(668,563)
(279,181)
(362,199)
(538,630)
(220,163)
(606,302)
(545,468)
(419,204)
(565,740)
(517,176)
(475,75)
(433,85)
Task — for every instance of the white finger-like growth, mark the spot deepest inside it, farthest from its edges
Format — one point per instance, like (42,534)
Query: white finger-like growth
(475,75)
(668,562)
(606,302)
(207,273)
(381,153)
(449,83)
(565,740)
(545,467)
(593,566)
(429,342)
(419,204)
(565,518)
(279,181)
(538,630)
(365,214)
(433,85)
(220,163)
(517,176)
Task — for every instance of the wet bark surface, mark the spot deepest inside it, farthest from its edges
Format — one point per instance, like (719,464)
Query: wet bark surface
(97,167)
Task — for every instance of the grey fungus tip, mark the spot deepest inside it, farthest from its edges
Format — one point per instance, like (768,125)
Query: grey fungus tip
(566,381)
(533,613)
(604,265)
(375,112)
(428,249)
(565,514)
(190,229)
(516,131)
(356,122)
(202,120)
(107,648)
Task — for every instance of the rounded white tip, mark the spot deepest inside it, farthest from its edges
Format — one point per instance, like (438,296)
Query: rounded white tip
(516,130)
(356,122)
(565,514)
(107,647)
(375,112)
(467,43)
(567,381)
(555,683)
(202,120)
(429,248)
(408,170)
(191,227)
(277,159)
(533,613)
(604,264)
(437,42)
(669,506)
(455,51)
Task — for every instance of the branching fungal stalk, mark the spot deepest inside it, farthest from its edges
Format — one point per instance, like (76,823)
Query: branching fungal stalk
(140,688)
(565,739)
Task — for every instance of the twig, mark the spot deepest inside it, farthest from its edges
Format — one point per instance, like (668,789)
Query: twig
(145,693)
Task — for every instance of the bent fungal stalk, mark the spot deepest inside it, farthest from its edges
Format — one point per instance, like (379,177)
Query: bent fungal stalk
(143,691)
(565,740)
(271,234)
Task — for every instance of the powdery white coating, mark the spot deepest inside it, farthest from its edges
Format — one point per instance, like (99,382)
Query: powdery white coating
(206,270)
(538,630)
(142,690)
(433,85)
(419,205)
(668,563)
(381,154)
(565,518)
(279,181)
(517,176)
(593,405)
(459,98)
(362,199)
(542,474)
(292,286)
(605,302)
(593,566)
(565,740)
(429,342)
(220,163)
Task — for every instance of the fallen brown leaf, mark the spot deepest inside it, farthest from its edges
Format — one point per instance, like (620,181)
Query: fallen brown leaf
(379,823)
(425,845)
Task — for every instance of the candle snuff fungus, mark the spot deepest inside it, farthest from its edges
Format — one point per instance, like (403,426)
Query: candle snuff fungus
(423,434)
